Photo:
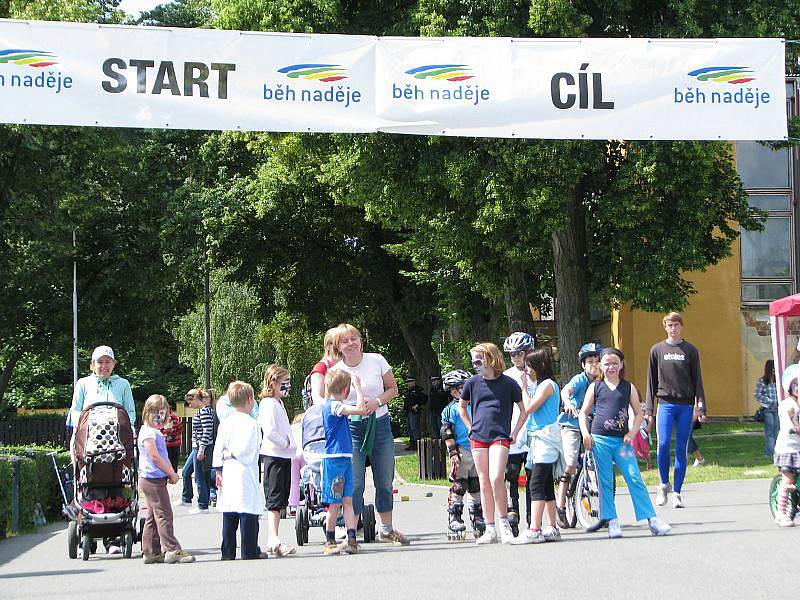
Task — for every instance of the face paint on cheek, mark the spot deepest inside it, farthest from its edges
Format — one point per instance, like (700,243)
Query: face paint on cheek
(286,386)
(479,367)
(159,417)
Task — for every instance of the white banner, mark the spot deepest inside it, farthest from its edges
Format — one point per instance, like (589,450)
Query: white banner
(118,76)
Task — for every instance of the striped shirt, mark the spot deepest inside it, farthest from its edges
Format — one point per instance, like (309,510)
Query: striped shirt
(203,428)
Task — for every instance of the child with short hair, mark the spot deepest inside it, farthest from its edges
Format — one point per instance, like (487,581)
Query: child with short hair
(155,471)
(277,450)
(787,445)
(337,462)
(236,468)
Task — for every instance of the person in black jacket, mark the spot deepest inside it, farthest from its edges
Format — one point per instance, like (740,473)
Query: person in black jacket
(439,399)
(413,402)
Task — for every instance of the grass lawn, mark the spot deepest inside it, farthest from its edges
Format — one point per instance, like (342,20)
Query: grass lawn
(731,450)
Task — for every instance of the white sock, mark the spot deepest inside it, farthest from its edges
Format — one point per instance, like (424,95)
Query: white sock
(387,529)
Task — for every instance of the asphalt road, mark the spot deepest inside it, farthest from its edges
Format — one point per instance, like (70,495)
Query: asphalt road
(723,545)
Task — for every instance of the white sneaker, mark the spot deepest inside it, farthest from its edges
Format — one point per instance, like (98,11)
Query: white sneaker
(784,520)
(529,536)
(114,549)
(181,503)
(489,537)
(677,500)
(198,511)
(614,530)
(699,462)
(551,535)
(506,535)
(658,527)
(662,493)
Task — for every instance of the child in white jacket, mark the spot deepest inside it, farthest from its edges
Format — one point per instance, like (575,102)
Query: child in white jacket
(236,467)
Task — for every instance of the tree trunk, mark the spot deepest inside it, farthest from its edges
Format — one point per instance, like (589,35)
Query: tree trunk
(518,309)
(418,336)
(572,297)
(5,376)
(456,333)
(480,317)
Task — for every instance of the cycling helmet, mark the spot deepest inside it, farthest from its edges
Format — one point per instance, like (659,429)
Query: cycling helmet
(455,379)
(518,341)
(587,350)
(789,377)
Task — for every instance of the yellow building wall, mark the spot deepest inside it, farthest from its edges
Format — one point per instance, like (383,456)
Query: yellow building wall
(713,322)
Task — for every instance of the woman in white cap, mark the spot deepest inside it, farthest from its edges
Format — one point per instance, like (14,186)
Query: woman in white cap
(101,386)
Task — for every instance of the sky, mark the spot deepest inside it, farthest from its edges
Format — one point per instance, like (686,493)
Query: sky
(134,7)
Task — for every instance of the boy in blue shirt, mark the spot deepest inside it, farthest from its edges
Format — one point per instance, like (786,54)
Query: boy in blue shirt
(463,474)
(337,462)
(572,399)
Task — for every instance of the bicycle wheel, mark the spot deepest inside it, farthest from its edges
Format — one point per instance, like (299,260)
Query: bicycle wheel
(773,494)
(572,492)
(774,486)
(587,498)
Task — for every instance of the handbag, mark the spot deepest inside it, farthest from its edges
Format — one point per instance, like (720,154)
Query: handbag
(759,414)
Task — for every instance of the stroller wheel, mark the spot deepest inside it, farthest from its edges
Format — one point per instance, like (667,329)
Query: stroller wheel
(306,524)
(299,530)
(72,539)
(368,519)
(127,544)
(86,547)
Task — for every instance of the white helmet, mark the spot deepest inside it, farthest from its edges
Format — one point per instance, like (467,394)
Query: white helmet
(517,341)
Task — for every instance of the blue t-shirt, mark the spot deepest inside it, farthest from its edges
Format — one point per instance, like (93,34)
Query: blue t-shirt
(450,415)
(580,383)
(338,442)
(492,406)
(547,413)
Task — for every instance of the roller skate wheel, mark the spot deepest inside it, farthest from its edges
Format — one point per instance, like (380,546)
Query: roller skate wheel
(429,494)
(394,490)
(403,498)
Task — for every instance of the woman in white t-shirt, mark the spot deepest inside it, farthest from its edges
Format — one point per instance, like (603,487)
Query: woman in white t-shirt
(372,436)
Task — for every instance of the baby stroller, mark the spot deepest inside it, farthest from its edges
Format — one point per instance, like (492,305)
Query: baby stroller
(314,511)
(104,502)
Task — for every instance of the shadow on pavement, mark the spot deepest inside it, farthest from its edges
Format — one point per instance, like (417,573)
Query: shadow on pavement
(11,548)
(49,573)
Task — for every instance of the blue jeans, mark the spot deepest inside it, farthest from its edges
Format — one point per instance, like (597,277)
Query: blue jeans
(679,416)
(609,451)
(381,460)
(202,476)
(186,474)
(771,426)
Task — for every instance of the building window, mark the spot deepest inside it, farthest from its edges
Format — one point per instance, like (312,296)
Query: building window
(768,269)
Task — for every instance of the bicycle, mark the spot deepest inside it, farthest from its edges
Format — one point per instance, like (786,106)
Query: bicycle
(583,497)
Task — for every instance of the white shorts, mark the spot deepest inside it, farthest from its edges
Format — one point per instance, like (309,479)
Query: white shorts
(571,441)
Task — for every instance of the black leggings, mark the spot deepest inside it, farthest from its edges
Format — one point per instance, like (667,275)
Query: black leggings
(513,467)
(541,482)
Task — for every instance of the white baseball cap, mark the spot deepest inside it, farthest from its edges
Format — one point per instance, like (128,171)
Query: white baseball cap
(102,351)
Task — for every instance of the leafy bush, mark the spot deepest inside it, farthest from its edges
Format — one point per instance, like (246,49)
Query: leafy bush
(5,496)
(37,483)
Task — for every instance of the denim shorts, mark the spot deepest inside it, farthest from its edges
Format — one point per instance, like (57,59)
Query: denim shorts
(337,479)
